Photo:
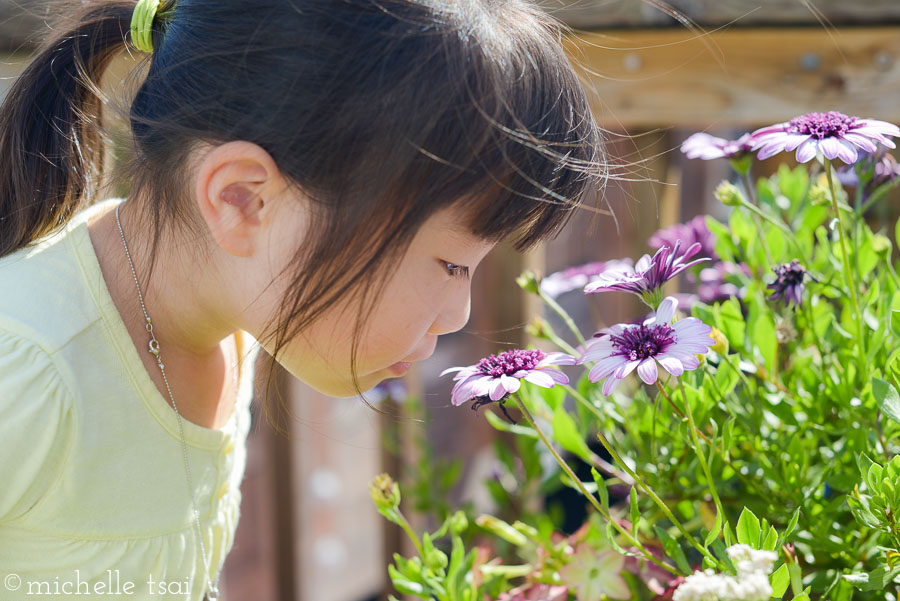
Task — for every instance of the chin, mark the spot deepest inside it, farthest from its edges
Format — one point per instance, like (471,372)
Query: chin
(333,382)
(342,388)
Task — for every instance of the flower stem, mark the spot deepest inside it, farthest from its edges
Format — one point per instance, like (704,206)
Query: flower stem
(666,396)
(665,508)
(848,276)
(750,192)
(584,491)
(704,463)
(403,523)
(562,344)
(550,302)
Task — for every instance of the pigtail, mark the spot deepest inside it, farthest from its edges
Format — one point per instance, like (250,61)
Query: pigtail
(51,142)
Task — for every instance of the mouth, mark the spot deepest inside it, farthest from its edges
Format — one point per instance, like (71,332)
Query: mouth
(400,368)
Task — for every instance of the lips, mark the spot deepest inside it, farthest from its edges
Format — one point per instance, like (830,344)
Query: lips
(400,368)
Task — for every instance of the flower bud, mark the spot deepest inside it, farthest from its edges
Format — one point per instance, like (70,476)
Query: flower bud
(502,529)
(436,560)
(528,281)
(729,194)
(458,523)
(790,556)
(721,345)
(881,245)
(385,492)
(818,192)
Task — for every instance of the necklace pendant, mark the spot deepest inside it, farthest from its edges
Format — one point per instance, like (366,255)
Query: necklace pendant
(154,346)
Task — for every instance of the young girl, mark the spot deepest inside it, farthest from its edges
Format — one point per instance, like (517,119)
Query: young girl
(318,176)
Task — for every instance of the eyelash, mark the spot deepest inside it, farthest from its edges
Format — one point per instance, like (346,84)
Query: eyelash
(456,271)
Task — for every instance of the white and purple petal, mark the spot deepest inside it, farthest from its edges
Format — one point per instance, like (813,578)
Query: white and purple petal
(647,371)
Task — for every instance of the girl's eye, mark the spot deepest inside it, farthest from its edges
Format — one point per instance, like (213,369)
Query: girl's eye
(457,271)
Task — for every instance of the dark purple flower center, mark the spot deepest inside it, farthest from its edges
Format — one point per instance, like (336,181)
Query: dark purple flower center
(822,125)
(789,274)
(509,362)
(641,342)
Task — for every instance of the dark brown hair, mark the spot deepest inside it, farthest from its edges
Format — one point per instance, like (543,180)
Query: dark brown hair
(380,111)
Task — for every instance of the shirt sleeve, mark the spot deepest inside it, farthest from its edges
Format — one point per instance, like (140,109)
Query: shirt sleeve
(36,424)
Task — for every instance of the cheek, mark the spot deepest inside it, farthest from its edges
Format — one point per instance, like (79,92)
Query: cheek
(399,322)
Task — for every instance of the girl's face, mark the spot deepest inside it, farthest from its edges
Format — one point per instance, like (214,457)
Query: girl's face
(259,222)
(427,294)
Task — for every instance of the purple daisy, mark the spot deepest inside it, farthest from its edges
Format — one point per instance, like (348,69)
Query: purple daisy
(706,147)
(649,274)
(573,278)
(621,349)
(788,284)
(693,231)
(834,134)
(496,376)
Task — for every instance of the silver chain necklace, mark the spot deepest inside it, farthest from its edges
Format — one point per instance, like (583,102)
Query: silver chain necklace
(153,347)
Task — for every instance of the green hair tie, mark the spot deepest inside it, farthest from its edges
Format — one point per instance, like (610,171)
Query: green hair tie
(142,24)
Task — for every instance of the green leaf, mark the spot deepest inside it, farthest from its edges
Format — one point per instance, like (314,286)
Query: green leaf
(742,228)
(717,527)
(875,580)
(873,478)
(762,332)
(864,462)
(731,322)
(407,587)
(748,529)
(861,510)
(601,489)
(793,183)
(673,549)
(721,552)
(897,233)
(553,396)
(723,246)
(727,378)
(727,534)
(790,528)
(727,432)
(895,312)
(457,567)
(768,543)
(780,580)
(635,511)
(566,434)
(888,399)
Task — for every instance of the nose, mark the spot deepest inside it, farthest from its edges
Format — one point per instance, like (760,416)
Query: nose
(454,313)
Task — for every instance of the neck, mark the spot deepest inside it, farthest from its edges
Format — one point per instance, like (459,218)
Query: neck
(188,322)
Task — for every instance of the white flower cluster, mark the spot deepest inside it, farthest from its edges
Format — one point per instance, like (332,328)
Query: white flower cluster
(750,584)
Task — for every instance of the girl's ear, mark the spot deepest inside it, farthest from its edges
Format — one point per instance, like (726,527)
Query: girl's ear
(235,185)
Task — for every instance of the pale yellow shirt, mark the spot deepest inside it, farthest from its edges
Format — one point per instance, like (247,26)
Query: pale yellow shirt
(93,491)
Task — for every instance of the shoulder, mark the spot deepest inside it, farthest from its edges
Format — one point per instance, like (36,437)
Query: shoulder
(37,421)
(31,381)
(46,288)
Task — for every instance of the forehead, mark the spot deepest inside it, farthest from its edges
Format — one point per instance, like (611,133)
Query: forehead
(452,226)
